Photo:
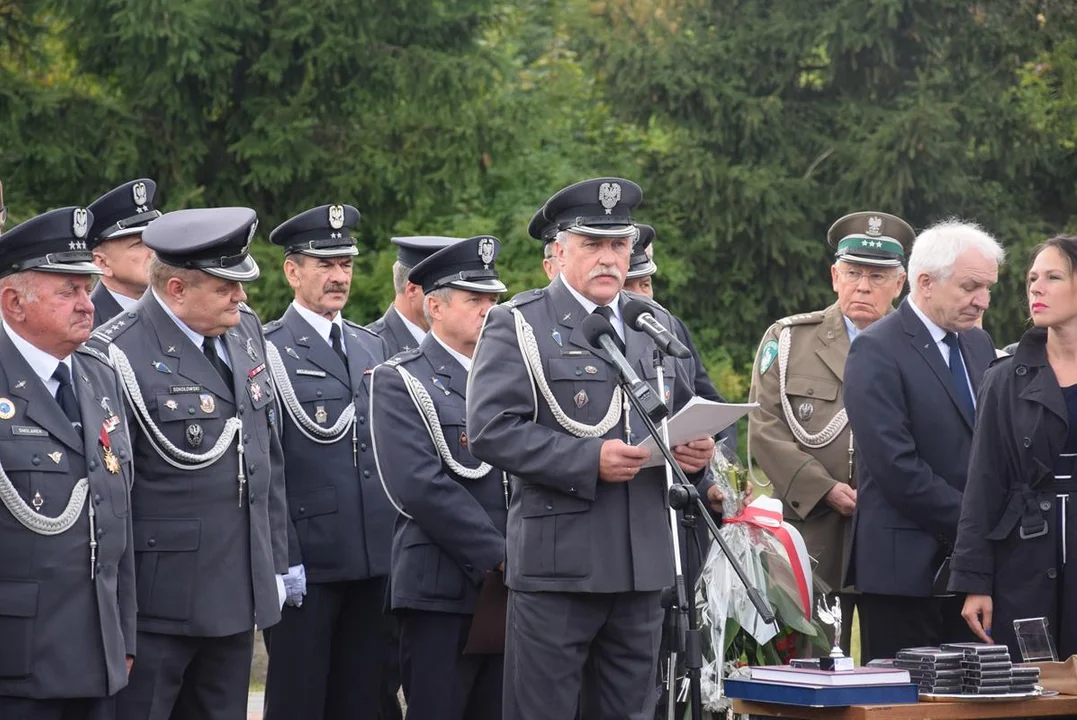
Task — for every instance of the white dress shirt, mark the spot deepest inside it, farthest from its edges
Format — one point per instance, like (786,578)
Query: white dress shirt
(321,324)
(939,335)
(416,332)
(42,363)
(589,306)
(195,337)
(123,301)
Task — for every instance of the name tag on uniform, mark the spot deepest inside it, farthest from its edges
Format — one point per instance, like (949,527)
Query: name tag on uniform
(310,373)
(576,353)
(181,389)
(29,431)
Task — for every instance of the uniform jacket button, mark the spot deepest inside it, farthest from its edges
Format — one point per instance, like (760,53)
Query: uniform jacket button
(1045,505)
(549,506)
(97,499)
(1021,370)
(362,446)
(1052,573)
(1027,442)
(795,503)
(302,510)
(366,473)
(93,464)
(469,567)
(362,419)
(36,460)
(151,542)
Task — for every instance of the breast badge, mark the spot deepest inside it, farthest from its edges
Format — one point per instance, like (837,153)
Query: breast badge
(7,409)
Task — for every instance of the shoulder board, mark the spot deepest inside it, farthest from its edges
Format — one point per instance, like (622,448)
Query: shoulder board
(812,318)
(244,307)
(118,326)
(404,356)
(272,326)
(524,298)
(87,350)
(357,326)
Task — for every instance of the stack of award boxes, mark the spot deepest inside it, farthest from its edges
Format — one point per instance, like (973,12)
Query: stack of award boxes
(987,668)
(933,669)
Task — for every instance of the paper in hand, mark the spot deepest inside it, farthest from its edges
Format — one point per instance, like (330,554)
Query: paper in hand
(698,419)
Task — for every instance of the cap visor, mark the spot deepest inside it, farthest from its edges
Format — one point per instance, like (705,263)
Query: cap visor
(342,251)
(245,271)
(870,260)
(641,271)
(604,230)
(76,268)
(482,286)
(123,232)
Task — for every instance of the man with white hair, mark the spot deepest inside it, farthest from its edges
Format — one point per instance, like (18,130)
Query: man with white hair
(910,386)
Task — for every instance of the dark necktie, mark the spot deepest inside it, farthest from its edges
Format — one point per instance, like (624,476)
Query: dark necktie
(65,394)
(960,377)
(338,347)
(607,312)
(209,348)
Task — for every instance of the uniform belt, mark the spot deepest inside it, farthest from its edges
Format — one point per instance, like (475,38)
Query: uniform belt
(1033,519)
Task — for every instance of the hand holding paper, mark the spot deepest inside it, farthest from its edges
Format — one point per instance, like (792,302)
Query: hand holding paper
(698,419)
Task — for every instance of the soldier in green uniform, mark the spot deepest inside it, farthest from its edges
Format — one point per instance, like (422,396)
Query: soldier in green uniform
(799,436)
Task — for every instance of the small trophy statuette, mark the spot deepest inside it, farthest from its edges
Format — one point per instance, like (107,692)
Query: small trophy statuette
(831,615)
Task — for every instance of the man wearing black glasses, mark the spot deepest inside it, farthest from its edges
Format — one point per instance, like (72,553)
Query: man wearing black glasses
(799,435)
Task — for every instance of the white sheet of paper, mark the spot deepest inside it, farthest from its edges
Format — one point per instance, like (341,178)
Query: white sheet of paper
(698,419)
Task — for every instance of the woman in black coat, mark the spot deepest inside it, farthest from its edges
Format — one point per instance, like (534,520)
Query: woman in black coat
(1018,517)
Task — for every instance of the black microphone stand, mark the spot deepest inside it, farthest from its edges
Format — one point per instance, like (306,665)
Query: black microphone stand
(683,496)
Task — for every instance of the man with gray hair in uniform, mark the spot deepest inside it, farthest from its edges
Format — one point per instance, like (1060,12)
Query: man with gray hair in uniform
(67,585)
(588,538)
(208,499)
(799,434)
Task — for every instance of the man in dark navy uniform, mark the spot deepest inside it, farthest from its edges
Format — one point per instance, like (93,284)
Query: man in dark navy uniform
(403,326)
(589,541)
(67,587)
(120,216)
(327,655)
(210,525)
(450,535)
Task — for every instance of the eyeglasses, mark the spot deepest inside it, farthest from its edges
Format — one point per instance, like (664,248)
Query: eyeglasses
(853,277)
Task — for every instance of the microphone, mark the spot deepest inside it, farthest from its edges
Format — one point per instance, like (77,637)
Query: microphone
(637,315)
(600,334)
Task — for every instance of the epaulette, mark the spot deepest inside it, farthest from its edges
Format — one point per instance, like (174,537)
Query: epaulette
(403,356)
(357,326)
(272,326)
(244,307)
(87,350)
(812,318)
(524,298)
(118,326)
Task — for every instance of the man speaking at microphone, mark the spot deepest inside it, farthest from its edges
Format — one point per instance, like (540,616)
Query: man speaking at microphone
(588,538)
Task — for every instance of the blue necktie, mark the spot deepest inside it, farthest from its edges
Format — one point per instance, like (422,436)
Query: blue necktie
(65,394)
(961,378)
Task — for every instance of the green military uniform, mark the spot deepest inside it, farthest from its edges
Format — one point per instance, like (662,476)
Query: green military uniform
(799,435)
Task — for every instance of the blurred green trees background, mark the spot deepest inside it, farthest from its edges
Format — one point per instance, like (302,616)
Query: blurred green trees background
(751,125)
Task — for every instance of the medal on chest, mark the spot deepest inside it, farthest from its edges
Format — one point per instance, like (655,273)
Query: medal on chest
(112,463)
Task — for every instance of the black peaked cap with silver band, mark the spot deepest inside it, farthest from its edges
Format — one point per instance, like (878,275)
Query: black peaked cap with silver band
(51,242)
(125,210)
(641,264)
(541,228)
(600,207)
(413,249)
(324,231)
(215,240)
(465,265)
(871,238)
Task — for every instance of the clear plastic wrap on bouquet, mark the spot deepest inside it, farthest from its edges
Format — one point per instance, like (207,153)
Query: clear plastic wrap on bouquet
(774,559)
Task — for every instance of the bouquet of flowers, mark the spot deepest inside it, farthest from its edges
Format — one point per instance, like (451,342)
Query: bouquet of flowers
(775,560)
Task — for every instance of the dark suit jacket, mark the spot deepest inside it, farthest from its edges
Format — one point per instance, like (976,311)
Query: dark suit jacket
(913,441)
(341,524)
(456,532)
(569,531)
(393,331)
(205,564)
(61,633)
(105,306)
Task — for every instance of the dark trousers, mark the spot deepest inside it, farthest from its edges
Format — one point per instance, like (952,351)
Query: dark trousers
(188,678)
(552,637)
(327,657)
(440,681)
(889,623)
(13,708)
(389,705)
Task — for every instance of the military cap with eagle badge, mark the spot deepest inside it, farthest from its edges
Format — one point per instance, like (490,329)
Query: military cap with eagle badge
(54,241)
(601,207)
(124,210)
(324,231)
(871,238)
(465,265)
